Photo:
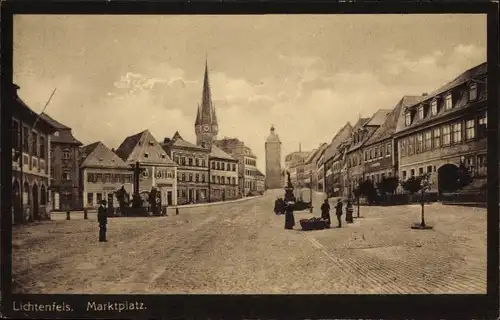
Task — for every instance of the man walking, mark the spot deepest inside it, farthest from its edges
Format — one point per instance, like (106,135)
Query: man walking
(338,212)
(103,221)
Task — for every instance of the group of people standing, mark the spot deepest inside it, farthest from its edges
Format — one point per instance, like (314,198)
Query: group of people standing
(325,211)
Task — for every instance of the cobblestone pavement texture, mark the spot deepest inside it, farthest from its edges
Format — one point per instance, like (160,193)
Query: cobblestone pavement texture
(244,248)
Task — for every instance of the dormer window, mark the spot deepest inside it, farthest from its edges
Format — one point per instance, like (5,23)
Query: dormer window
(434,107)
(407,118)
(163,156)
(472,91)
(56,133)
(448,102)
(421,112)
(146,155)
(151,143)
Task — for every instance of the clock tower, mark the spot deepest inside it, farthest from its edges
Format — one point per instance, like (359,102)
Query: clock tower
(206,126)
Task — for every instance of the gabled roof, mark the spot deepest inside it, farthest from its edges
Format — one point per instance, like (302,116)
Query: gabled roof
(97,155)
(340,136)
(144,148)
(311,156)
(63,133)
(22,110)
(320,152)
(179,142)
(218,153)
(388,128)
(249,152)
(378,118)
(374,121)
(460,99)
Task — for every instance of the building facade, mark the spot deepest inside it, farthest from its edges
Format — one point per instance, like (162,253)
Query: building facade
(223,176)
(332,158)
(445,129)
(362,131)
(192,169)
(103,173)
(273,161)
(247,162)
(30,162)
(260,182)
(158,170)
(65,167)
(379,155)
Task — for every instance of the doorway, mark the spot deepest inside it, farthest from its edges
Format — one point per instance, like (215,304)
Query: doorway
(169,198)
(447,178)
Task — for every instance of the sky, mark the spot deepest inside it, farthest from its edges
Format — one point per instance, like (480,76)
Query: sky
(307,75)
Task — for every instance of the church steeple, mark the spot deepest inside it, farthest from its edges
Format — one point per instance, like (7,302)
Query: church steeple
(206,125)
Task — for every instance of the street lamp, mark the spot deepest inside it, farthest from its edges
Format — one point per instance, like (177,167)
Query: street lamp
(310,192)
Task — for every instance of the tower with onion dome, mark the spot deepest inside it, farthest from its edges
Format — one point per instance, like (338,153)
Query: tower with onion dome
(273,161)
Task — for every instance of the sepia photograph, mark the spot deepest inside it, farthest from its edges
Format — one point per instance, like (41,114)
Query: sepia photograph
(249,154)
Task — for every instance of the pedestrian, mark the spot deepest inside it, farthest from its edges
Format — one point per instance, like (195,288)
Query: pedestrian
(289,218)
(325,213)
(277,206)
(103,221)
(338,212)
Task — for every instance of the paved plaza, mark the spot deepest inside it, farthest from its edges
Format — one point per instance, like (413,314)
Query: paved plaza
(242,247)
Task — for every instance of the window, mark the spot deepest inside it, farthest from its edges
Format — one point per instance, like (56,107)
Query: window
(213,179)
(402,147)
(98,197)
(90,177)
(203,163)
(469,163)
(483,123)
(107,178)
(436,138)
(218,179)
(419,142)
(228,180)
(428,140)
(472,91)
(213,165)
(388,150)
(481,164)
(429,169)
(66,175)
(457,132)
(448,102)
(411,142)
(446,135)
(420,171)
(421,112)
(469,129)
(42,147)
(197,177)
(183,177)
(90,198)
(197,162)
(434,107)
(366,155)
(146,154)
(15,135)
(34,144)
(412,172)
(25,139)
(66,154)
(404,174)
(234,166)
(190,161)
(190,177)
(407,118)
(183,161)
(234,180)
(376,153)
(99,177)
(145,173)
(371,154)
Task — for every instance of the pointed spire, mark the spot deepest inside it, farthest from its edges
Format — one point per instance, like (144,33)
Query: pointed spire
(198,116)
(177,135)
(207,108)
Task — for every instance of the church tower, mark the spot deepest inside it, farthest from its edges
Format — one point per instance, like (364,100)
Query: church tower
(206,126)
(273,161)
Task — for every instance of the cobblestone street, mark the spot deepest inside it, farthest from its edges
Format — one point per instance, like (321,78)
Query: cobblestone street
(242,247)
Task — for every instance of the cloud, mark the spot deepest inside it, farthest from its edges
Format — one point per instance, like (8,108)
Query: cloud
(307,104)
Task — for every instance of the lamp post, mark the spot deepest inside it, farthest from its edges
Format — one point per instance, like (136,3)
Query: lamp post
(310,192)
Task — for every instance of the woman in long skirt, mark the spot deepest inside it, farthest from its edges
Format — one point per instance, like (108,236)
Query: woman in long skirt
(289,218)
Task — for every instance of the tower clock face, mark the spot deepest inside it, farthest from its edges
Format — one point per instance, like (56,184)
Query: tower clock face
(206,128)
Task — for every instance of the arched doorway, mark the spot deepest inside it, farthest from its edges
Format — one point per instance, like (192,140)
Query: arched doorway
(36,204)
(16,202)
(447,178)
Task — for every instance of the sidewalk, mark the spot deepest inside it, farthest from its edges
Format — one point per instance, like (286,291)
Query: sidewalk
(207,204)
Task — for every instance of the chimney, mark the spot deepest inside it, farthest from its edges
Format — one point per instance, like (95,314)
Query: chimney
(113,149)
(425,94)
